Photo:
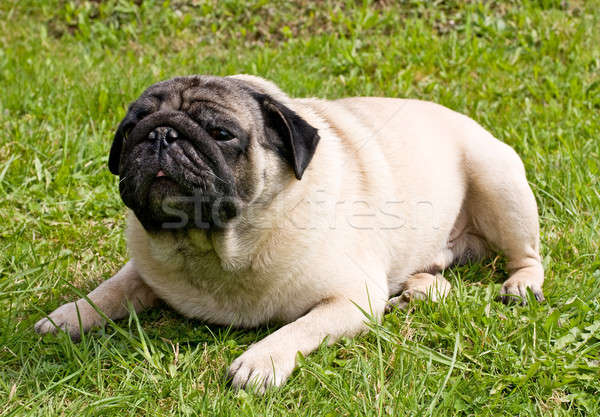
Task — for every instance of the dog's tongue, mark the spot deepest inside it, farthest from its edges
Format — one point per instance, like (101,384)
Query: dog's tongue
(160,173)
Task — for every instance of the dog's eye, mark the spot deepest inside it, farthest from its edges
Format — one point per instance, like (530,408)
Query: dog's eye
(220,134)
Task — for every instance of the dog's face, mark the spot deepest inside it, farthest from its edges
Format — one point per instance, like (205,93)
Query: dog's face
(195,151)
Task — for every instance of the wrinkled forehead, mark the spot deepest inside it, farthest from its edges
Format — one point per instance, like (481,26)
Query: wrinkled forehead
(229,96)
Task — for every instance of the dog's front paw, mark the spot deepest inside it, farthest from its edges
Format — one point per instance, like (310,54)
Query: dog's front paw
(261,367)
(66,318)
(515,289)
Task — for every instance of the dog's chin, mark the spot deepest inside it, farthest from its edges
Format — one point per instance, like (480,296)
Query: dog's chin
(172,206)
(166,205)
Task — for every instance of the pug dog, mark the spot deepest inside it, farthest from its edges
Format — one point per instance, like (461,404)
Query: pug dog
(249,207)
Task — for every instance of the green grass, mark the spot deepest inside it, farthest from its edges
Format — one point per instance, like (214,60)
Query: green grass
(527,71)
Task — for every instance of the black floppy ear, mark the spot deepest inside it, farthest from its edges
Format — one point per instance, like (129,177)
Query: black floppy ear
(297,139)
(114,158)
(115,153)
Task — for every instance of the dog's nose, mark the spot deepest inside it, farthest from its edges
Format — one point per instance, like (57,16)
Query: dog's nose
(164,135)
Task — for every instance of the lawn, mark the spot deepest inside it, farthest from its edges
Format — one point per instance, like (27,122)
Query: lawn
(527,71)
